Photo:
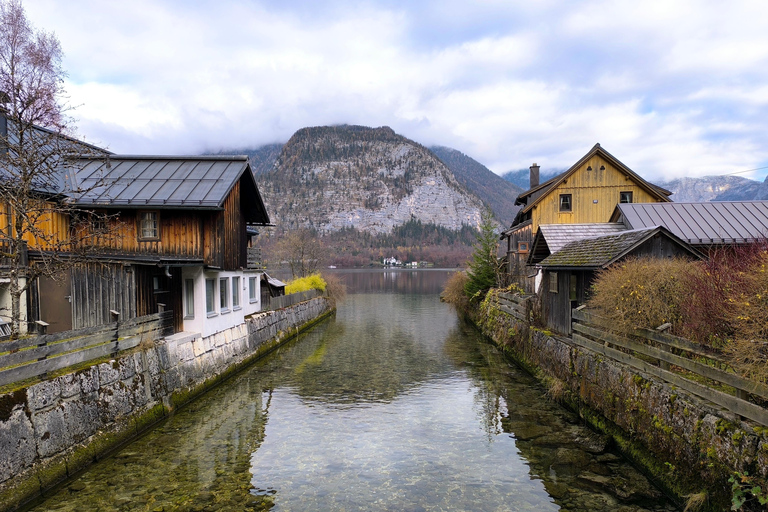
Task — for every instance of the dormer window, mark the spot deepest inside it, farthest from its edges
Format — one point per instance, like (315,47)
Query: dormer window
(149,226)
(566,204)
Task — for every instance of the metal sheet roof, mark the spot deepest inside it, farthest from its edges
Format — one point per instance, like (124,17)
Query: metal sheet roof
(705,223)
(160,181)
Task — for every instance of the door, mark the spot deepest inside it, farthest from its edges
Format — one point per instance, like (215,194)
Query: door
(55,303)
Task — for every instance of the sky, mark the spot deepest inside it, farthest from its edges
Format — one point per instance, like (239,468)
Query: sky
(672,88)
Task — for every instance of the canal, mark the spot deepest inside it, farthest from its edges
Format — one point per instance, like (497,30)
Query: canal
(394,404)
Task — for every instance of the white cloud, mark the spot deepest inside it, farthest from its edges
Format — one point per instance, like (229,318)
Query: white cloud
(675,87)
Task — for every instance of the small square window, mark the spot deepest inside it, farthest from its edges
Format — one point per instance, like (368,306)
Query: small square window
(235,292)
(210,294)
(566,204)
(189,298)
(224,294)
(553,282)
(625,197)
(252,289)
(149,226)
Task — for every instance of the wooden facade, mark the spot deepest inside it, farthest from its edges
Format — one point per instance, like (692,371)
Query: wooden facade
(588,192)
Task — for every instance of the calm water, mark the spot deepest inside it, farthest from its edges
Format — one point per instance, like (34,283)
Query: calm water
(393,405)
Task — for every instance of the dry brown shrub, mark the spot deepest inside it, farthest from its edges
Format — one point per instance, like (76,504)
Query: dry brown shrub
(641,292)
(453,292)
(748,348)
(334,288)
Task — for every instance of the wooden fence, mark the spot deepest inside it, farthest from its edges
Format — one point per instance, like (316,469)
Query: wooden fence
(519,306)
(686,365)
(38,355)
(285,301)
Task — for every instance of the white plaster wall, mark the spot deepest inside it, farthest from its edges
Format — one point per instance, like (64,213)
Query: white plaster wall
(5,303)
(210,323)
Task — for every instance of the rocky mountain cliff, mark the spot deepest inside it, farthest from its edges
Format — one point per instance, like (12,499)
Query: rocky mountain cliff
(717,188)
(370,179)
(495,191)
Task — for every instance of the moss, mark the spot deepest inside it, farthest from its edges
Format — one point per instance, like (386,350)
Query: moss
(722,426)
(737,437)
(10,401)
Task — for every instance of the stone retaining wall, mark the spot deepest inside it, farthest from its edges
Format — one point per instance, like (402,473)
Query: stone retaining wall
(53,429)
(685,444)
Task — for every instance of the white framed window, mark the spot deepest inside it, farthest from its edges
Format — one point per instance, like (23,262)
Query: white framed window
(224,294)
(210,296)
(252,289)
(189,298)
(553,282)
(149,226)
(235,292)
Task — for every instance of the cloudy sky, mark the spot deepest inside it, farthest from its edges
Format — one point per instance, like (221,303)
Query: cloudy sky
(672,88)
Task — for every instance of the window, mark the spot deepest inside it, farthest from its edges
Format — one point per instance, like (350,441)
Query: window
(210,294)
(189,298)
(149,226)
(625,197)
(236,292)
(224,294)
(565,203)
(252,289)
(553,282)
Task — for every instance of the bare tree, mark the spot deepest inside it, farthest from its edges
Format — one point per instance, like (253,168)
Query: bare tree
(303,250)
(38,161)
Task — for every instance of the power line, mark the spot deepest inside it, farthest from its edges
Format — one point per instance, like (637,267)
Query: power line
(748,170)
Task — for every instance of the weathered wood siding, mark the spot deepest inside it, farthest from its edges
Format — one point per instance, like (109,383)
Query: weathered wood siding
(556,307)
(594,195)
(98,288)
(50,226)
(225,234)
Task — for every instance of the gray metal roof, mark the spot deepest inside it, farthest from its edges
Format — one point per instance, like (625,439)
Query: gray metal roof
(558,236)
(159,181)
(594,253)
(705,223)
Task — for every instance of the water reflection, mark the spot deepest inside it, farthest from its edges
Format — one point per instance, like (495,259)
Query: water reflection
(392,405)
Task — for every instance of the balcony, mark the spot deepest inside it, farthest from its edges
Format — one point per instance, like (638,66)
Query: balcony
(254,259)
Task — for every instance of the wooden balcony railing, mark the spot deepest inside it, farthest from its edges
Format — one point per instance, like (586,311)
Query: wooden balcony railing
(254,259)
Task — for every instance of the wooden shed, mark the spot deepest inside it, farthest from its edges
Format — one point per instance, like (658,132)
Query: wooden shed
(569,273)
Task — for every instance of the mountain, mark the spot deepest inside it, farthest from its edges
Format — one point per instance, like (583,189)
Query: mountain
(716,188)
(331,178)
(522,178)
(496,192)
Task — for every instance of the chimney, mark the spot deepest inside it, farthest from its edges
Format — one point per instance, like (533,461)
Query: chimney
(534,175)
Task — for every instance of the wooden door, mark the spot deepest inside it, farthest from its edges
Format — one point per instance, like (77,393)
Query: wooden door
(55,303)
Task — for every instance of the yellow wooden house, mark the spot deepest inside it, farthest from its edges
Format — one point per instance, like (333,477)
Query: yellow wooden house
(588,192)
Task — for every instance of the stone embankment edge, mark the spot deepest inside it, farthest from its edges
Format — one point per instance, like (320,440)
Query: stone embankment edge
(685,445)
(48,474)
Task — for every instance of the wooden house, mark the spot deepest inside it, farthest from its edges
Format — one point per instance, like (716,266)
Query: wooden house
(586,193)
(569,272)
(178,237)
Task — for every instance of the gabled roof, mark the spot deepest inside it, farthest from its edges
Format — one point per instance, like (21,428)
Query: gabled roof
(706,223)
(535,195)
(595,253)
(550,238)
(167,182)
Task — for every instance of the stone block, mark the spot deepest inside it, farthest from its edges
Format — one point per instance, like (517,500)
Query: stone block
(127,367)
(108,373)
(17,443)
(115,401)
(44,394)
(70,385)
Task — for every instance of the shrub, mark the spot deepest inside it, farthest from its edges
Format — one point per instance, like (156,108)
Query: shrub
(641,292)
(335,289)
(302,284)
(453,292)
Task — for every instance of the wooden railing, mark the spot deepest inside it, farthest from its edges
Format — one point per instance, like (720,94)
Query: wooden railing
(254,258)
(38,355)
(285,301)
(678,361)
(519,306)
